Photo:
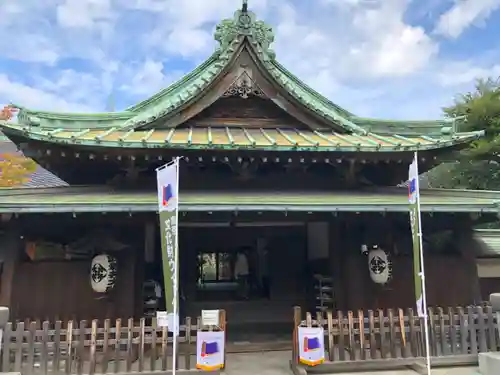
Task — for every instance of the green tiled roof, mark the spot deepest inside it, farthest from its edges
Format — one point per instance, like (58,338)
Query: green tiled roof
(239,138)
(242,31)
(78,199)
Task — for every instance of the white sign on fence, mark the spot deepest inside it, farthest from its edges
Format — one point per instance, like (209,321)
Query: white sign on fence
(173,319)
(210,317)
(161,319)
(210,350)
(311,345)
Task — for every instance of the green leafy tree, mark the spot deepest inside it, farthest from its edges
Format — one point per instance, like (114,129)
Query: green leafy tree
(478,166)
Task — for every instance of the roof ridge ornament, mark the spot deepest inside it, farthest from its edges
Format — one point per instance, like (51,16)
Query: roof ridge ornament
(244,24)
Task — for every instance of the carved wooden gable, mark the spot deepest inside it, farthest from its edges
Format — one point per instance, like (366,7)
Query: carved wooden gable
(246,97)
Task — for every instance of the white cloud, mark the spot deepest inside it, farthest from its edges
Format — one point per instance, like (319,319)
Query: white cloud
(363,54)
(148,78)
(462,73)
(365,50)
(392,46)
(463,14)
(84,13)
(22,94)
(30,48)
(189,42)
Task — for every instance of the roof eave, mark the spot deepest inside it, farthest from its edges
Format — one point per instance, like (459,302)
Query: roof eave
(99,141)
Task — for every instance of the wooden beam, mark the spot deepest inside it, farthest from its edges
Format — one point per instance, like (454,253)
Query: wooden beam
(336,251)
(9,258)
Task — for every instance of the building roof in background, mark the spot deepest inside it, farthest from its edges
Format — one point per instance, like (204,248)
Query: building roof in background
(489,240)
(41,178)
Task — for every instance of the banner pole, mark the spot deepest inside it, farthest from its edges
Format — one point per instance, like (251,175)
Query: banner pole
(163,166)
(176,274)
(422,272)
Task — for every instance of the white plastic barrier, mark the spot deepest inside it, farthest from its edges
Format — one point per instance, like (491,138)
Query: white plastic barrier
(489,363)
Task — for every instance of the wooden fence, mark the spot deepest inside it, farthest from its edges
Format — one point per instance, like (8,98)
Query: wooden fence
(90,347)
(391,334)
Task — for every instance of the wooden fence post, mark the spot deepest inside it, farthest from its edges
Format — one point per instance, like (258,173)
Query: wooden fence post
(350,333)
(223,326)
(142,332)
(130,348)
(361,324)
(164,348)
(443,334)
(297,318)
(31,347)
(392,334)
(118,342)
(154,338)
(402,333)
(56,362)
(373,340)
(44,352)
(341,324)
(19,346)
(383,336)
(6,347)
(80,351)
(93,347)
(472,330)
(432,331)
(331,341)
(105,346)
(69,347)
(481,325)
(492,337)
(413,335)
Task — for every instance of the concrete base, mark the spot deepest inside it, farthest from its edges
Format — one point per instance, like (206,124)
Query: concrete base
(489,363)
(495,301)
(4,316)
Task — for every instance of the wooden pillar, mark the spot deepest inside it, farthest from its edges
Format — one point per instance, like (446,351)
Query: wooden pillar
(149,241)
(355,270)
(10,246)
(336,252)
(463,235)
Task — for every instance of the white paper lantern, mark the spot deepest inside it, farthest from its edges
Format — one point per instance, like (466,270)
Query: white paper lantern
(380,266)
(103,273)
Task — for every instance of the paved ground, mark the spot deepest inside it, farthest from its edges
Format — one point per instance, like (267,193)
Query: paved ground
(456,371)
(276,363)
(268,363)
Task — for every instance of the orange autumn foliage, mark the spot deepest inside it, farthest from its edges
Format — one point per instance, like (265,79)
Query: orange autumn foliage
(15,170)
(7,112)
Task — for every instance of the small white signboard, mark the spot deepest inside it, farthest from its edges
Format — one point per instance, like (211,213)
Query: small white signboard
(210,317)
(173,319)
(161,319)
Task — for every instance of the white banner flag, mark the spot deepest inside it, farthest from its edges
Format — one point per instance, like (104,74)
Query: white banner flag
(168,207)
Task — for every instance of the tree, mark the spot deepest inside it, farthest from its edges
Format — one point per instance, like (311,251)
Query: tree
(478,166)
(15,170)
(7,112)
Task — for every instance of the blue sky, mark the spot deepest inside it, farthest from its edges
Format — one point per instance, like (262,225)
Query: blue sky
(401,59)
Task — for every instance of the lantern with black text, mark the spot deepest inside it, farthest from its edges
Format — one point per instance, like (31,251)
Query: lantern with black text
(103,273)
(380,266)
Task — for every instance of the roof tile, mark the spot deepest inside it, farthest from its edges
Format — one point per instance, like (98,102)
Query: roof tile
(41,178)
